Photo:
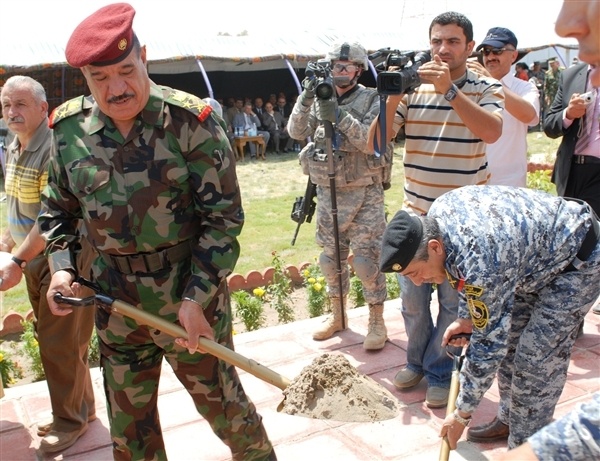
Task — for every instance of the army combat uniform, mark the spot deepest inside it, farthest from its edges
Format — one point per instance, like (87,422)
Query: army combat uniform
(514,256)
(163,209)
(359,183)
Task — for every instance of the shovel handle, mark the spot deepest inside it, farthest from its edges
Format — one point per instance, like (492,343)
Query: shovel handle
(453,394)
(204,344)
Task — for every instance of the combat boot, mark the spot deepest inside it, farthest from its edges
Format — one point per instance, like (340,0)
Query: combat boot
(332,323)
(377,335)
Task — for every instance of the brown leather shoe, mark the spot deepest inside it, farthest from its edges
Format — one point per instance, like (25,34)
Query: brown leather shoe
(55,441)
(46,426)
(490,432)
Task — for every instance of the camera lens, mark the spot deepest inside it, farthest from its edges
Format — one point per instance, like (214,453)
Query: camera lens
(324,90)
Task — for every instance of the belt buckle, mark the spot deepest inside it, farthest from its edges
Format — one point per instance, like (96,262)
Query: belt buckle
(137,263)
(579,160)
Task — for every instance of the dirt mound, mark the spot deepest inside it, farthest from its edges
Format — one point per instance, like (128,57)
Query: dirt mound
(331,388)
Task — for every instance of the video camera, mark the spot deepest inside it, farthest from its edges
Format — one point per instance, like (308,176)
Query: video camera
(406,79)
(321,70)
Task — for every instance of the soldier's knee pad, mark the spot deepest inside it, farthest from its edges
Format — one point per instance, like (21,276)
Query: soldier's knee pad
(328,265)
(366,269)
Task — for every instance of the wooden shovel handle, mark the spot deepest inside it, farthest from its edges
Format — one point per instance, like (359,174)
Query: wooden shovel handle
(204,344)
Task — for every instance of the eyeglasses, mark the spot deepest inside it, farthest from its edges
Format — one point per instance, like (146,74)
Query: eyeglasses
(344,67)
(495,51)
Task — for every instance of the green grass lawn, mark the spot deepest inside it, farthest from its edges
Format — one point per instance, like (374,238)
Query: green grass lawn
(269,189)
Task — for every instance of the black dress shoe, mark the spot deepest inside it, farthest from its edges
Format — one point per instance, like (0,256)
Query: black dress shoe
(491,432)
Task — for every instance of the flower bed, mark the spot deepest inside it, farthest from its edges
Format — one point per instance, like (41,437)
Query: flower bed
(11,323)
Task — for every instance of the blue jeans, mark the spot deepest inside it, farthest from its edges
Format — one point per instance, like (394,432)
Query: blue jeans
(424,351)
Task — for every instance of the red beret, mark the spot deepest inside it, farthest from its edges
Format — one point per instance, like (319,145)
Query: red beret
(103,38)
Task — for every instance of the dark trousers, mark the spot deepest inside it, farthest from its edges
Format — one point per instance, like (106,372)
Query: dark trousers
(584,184)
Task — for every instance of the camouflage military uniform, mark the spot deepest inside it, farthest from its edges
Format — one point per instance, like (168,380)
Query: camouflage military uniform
(359,179)
(551,82)
(507,256)
(170,184)
(574,437)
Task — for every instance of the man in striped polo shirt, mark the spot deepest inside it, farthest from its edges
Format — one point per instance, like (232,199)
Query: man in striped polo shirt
(448,121)
(63,341)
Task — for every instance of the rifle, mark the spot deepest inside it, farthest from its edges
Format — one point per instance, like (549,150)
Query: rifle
(304,207)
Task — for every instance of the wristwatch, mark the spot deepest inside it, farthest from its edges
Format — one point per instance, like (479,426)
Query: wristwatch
(451,93)
(19,262)
(464,421)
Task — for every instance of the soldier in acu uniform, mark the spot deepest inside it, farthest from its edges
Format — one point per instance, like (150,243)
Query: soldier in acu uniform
(150,173)
(527,269)
(359,180)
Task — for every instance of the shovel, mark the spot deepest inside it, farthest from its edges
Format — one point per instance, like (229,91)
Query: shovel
(151,320)
(309,393)
(457,361)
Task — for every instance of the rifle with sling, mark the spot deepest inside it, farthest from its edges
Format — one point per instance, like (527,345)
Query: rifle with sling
(304,207)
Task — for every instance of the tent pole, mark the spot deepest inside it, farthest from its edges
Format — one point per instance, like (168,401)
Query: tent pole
(373,70)
(294,76)
(206,79)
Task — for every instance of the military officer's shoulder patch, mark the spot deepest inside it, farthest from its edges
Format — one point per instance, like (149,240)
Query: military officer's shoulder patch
(68,109)
(189,102)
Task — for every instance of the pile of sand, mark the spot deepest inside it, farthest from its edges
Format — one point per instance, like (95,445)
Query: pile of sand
(331,388)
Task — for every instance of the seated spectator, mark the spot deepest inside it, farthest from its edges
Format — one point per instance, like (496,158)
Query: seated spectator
(259,110)
(283,108)
(248,121)
(274,124)
(236,109)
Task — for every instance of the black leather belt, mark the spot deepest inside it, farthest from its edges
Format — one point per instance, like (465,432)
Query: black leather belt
(589,243)
(585,159)
(146,263)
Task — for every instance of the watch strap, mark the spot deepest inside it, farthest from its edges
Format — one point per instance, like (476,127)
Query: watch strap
(451,93)
(464,421)
(19,262)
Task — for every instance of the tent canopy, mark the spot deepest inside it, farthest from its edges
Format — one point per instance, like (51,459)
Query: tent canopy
(250,65)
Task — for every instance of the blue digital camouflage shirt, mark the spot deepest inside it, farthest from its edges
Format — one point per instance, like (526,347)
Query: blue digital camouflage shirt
(574,437)
(501,241)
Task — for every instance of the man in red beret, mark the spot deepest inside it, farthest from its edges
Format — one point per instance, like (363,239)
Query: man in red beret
(146,174)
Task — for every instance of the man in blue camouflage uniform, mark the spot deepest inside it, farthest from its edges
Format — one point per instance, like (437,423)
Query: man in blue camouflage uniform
(574,437)
(527,269)
(150,173)
(360,177)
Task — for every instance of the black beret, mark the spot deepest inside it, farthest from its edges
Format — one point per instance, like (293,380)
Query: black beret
(401,240)
(103,38)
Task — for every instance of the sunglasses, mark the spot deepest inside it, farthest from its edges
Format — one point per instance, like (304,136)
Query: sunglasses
(344,67)
(495,51)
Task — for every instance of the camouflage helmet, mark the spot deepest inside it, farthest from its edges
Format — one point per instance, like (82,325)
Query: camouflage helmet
(353,52)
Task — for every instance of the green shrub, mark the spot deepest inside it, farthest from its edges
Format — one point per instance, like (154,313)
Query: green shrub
(249,308)
(94,349)
(356,295)
(316,286)
(31,349)
(10,370)
(279,291)
(540,180)
(393,287)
